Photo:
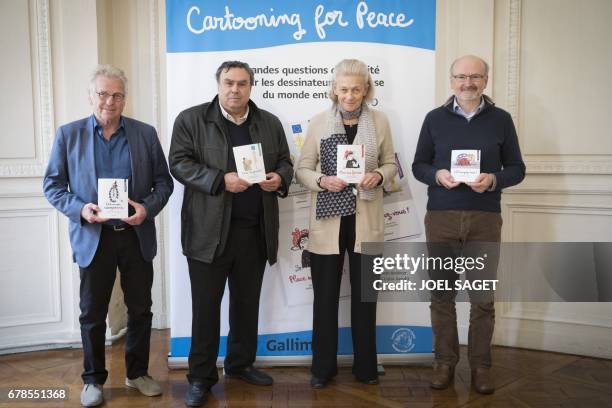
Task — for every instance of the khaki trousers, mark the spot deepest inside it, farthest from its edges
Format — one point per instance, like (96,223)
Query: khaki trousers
(461,233)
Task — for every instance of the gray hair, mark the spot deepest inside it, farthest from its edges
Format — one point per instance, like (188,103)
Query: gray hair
(225,66)
(352,67)
(484,63)
(108,71)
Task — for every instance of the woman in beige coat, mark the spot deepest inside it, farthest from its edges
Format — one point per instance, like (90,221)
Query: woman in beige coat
(343,216)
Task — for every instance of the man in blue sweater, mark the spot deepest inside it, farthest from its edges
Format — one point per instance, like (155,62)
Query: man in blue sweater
(462,212)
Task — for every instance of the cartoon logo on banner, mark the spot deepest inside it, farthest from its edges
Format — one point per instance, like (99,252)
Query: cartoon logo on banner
(403,340)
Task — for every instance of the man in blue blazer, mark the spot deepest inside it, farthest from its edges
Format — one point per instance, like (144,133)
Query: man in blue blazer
(109,145)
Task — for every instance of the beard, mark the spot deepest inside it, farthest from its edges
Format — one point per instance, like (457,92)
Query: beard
(469,93)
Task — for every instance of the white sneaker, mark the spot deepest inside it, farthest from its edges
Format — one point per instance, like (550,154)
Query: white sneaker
(92,396)
(145,384)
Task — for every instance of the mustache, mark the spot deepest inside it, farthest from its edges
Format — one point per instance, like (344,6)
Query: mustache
(469,88)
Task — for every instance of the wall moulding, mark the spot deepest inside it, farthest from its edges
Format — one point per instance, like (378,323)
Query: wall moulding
(565,185)
(541,164)
(517,207)
(513,66)
(43,95)
(46,221)
(568,164)
(538,312)
(559,190)
(583,314)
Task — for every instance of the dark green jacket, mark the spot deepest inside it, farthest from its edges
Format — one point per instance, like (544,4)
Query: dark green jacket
(199,159)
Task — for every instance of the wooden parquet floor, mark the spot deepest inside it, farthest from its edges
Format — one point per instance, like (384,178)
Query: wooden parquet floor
(524,378)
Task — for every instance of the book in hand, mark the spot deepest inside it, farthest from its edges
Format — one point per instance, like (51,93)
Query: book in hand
(350,164)
(465,165)
(113,198)
(250,163)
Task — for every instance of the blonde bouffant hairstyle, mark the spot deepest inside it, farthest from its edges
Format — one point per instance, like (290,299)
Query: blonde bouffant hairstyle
(352,67)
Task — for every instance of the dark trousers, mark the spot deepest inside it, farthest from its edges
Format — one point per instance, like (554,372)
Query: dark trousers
(326,272)
(242,265)
(116,249)
(463,233)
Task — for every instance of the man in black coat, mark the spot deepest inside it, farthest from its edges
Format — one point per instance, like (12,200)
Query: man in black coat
(229,226)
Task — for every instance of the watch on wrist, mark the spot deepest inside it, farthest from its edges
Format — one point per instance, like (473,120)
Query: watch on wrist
(319,181)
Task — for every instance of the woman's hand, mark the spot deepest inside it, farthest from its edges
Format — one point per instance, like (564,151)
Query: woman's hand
(333,184)
(370,180)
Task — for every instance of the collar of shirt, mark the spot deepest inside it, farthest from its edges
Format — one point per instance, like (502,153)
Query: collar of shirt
(98,128)
(229,117)
(468,116)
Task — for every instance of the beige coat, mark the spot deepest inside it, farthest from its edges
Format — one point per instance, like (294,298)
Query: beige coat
(323,235)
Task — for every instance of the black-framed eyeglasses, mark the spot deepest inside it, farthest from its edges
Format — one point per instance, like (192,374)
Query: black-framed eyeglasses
(473,77)
(117,96)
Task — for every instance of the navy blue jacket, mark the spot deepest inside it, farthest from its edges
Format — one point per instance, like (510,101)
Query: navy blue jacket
(70,182)
(491,131)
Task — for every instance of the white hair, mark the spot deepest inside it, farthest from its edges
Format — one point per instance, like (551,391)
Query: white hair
(108,71)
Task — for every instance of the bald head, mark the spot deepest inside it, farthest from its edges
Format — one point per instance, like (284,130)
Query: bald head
(471,60)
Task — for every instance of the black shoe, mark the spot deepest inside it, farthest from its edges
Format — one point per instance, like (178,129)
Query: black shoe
(373,381)
(318,383)
(197,394)
(251,375)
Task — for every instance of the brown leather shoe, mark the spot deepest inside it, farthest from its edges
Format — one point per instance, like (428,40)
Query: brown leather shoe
(482,380)
(442,376)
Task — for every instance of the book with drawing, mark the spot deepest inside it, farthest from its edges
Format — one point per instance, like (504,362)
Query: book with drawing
(250,163)
(113,198)
(465,165)
(351,163)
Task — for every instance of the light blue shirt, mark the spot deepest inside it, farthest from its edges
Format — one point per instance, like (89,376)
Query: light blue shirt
(468,116)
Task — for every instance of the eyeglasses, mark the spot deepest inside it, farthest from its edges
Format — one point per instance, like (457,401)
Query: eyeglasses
(474,77)
(117,96)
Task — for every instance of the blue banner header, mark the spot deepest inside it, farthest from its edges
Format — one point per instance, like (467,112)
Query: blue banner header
(213,25)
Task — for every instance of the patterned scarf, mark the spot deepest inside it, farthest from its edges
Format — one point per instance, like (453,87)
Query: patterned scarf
(343,203)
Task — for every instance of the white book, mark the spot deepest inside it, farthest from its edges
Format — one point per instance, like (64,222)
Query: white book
(250,163)
(350,164)
(465,165)
(113,198)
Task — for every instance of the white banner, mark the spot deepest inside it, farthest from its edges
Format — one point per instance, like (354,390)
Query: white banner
(293,47)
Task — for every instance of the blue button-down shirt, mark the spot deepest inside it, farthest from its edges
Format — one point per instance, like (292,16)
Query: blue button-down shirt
(468,116)
(112,156)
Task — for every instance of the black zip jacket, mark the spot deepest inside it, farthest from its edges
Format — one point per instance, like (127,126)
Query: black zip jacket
(199,159)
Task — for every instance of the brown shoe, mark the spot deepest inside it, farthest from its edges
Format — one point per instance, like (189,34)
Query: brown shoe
(442,376)
(482,380)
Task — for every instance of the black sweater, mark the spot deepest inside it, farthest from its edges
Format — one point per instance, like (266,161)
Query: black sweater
(491,131)
(247,206)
